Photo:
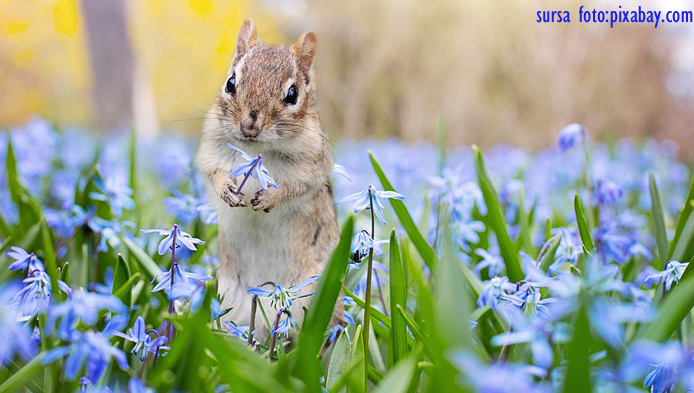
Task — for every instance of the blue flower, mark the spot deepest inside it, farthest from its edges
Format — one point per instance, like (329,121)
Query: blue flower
(183,206)
(109,232)
(23,260)
(182,239)
(17,336)
(254,167)
(340,170)
(89,348)
(663,365)
(608,317)
(82,306)
(117,195)
(361,200)
(182,285)
(607,193)
(284,326)
(282,298)
(498,377)
(493,262)
(671,274)
(66,220)
(467,232)
(540,334)
(570,248)
(492,291)
(571,135)
(143,342)
(362,243)
(137,386)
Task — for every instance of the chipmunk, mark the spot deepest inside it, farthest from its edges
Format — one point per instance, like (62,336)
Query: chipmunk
(267,105)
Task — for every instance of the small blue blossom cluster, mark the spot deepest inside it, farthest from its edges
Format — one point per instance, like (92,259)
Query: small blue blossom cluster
(573,261)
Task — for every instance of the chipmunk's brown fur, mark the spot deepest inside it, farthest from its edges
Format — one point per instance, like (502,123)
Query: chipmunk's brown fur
(286,234)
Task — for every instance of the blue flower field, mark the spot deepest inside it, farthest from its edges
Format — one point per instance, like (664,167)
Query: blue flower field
(564,270)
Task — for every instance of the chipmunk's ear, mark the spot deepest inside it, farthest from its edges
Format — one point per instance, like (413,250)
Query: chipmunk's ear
(247,38)
(305,50)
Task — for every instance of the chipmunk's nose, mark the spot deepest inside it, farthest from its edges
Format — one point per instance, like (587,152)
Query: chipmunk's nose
(249,127)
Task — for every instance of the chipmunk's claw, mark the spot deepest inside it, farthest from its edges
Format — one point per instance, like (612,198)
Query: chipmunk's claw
(262,201)
(229,196)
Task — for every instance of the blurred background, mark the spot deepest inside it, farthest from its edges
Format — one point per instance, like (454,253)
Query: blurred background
(384,68)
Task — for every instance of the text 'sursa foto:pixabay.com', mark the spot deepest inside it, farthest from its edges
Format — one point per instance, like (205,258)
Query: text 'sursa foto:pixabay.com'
(614,17)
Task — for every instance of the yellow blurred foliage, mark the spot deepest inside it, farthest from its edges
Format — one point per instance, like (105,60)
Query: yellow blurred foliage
(65,12)
(183,46)
(41,71)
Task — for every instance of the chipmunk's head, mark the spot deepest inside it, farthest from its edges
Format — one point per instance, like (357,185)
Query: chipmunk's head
(268,92)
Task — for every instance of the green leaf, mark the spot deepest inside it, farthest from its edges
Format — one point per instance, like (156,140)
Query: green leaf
(417,332)
(474,282)
(398,296)
(122,272)
(658,220)
(124,292)
(548,257)
(141,256)
(19,379)
(339,362)
(398,379)
(423,248)
(375,313)
(29,211)
(49,257)
(685,243)
(524,219)
(673,310)
(321,309)
(133,161)
(583,228)
(358,376)
(682,219)
(452,298)
(577,355)
(495,219)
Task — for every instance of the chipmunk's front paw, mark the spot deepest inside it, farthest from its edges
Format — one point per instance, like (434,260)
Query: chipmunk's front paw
(228,194)
(262,201)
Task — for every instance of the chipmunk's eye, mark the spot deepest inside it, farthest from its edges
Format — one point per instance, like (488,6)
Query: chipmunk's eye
(231,85)
(292,96)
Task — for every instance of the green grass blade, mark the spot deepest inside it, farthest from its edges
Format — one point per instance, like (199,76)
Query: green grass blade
(548,257)
(339,362)
(684,247)
(577,354)
(358,376)
(583,228)
(122,272)
(49,257)
(417,332)
(15,382)
(398,379)
(658,218)
(375,313)
(682,219)
(495,219)
(423,248)
(321,310)
(398,296)
(142,258)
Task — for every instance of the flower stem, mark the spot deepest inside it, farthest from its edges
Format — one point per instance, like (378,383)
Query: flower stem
(172,309)
(274,333)
(586,179)
(251,324)
(367,296)
(248,174)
